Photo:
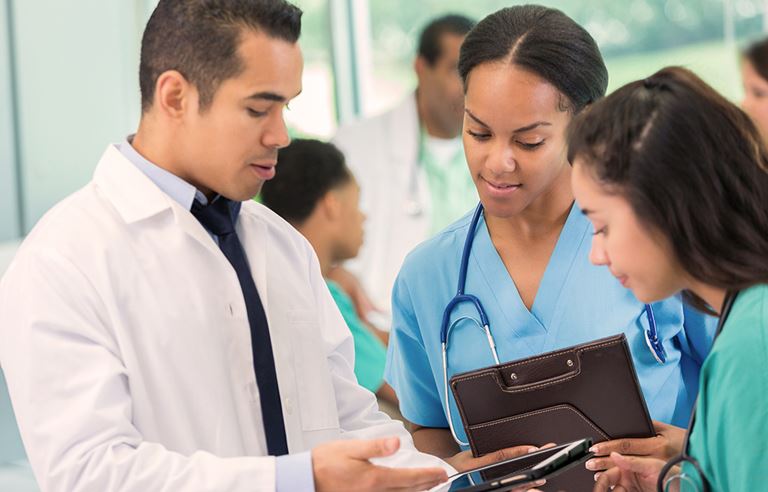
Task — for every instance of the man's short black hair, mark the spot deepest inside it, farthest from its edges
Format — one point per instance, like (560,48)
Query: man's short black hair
(200,39)
(306,171)
(430,41)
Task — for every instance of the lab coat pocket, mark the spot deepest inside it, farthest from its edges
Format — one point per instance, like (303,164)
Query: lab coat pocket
(317,399)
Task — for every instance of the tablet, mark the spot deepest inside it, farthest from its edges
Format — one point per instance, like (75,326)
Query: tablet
(539,465)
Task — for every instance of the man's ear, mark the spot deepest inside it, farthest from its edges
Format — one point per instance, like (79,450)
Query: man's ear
(420,66)
(174,95)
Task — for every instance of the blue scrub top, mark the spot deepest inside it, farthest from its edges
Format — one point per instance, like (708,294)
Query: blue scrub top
(576,302)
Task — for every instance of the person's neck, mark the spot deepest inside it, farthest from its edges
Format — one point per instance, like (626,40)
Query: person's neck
(152,144)
(430,122)
(713,296)
(540,220)
(322,246)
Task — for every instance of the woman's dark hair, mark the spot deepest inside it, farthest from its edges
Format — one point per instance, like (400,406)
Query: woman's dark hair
(692,166)
(543,41)
(306,171)
(757,54)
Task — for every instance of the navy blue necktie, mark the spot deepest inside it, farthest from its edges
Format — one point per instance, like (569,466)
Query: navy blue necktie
(219,218)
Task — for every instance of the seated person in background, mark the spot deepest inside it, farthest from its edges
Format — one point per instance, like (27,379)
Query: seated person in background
(316,192)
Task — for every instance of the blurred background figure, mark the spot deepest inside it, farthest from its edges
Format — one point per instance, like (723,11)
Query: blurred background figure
(754,74)
(410,162)
(316,192)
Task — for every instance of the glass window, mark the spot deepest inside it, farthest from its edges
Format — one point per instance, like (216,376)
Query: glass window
(77,91)
(637,37)
(9,217)
(313,112)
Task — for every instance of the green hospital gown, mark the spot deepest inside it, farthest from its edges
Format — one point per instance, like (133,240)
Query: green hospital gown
(370,352)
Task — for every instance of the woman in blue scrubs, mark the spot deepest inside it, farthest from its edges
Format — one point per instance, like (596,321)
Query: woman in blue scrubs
(527,70)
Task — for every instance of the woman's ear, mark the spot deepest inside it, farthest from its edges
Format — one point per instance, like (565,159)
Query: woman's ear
(330,206)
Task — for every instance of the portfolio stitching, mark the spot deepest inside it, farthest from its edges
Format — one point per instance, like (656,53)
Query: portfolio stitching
(538,412)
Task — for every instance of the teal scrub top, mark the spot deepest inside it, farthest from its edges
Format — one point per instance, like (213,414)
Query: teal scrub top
(731,430)
(370,352)
(576,302)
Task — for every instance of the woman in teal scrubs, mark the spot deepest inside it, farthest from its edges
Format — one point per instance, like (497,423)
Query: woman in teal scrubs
(681,204)
(527,70)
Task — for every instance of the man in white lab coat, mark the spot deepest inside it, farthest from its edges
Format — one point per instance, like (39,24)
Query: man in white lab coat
(158,334)
(410,162)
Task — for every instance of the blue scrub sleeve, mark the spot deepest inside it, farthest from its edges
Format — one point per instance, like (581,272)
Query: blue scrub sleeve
(408,369)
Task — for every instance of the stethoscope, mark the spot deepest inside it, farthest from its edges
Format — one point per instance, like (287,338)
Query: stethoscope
(684,456)
(651,335)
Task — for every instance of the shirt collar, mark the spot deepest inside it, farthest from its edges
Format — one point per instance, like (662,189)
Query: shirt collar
(172,185)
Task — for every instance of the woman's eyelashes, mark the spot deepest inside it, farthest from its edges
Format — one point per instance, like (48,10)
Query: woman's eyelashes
(482,136)
(255,114)
(531,145)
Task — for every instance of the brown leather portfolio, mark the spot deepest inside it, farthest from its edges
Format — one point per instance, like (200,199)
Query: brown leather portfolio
(589,390)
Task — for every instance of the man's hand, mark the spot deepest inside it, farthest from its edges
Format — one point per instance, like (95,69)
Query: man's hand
(344,466)
(631,474)
(667,444)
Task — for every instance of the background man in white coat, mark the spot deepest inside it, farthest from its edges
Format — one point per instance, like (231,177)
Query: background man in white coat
(161,331)
(410,162)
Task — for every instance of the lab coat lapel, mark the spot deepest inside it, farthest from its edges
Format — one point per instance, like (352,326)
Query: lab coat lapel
(404,123)
(253,236)
(136,197)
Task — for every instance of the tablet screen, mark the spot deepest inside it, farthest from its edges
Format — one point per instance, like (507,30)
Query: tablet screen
(525,469)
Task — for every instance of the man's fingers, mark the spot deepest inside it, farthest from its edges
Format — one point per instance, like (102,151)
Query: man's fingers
(374,448)
(641,447)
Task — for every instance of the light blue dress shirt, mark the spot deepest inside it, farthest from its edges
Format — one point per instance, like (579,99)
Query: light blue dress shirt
(576,302)
(293,472)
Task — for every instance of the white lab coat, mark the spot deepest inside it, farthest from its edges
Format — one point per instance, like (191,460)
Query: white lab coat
(383,153)
(125,343)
